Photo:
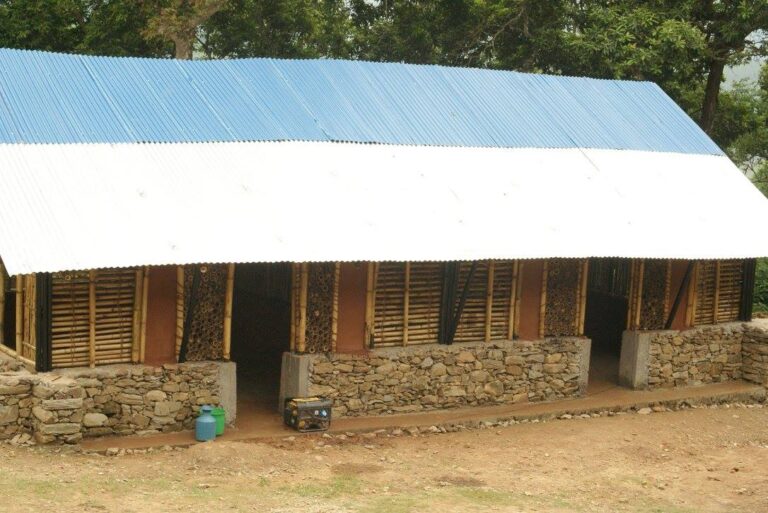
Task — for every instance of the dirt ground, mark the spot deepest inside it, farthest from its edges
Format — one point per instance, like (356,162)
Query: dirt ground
(700,460)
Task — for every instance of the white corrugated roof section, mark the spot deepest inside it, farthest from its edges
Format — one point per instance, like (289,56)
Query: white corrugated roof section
(82,206)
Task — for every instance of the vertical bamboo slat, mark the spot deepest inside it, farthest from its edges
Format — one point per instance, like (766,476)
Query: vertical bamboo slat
(370,299)
(137,297)
(179,307)
(639,304)
(690,312)
(543,304)
(19,313)
(631,296)
(406,301)
(295,271)
(583,296)
(92,318)
(335,307)
(717,292)
(513,298)
(144,297)
(304,281)
(228,298)
(518,296)
(489,300)
(3,285)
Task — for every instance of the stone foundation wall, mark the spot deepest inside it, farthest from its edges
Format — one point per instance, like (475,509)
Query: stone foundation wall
(418,378)
(65,405)
(708,354)
(754,352)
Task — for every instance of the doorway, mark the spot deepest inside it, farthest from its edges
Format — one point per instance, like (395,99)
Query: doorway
(261,308)
(606,318)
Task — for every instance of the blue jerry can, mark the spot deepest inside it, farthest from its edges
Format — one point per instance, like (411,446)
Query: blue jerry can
(205,425)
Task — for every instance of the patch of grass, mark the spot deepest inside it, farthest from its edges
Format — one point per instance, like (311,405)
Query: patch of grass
(336,487)
(397,504)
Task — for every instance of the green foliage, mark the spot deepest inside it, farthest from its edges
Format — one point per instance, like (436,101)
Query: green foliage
(761,286)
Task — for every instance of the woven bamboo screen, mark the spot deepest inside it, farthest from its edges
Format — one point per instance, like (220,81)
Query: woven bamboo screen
(650,291)
(206,334)
(407,298)
(718,291)
(93,317)
(314,307)
(563,298)
(5,282)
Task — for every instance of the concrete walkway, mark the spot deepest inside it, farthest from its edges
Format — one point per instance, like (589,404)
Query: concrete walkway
(598,399)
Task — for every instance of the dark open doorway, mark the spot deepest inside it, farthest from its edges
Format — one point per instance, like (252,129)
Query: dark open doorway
(8,311)
(606,318)
(260,334)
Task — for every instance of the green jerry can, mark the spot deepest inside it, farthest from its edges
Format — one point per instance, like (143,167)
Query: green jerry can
(221,419)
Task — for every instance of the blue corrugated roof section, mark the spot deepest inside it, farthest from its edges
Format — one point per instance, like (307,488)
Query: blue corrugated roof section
(56,98)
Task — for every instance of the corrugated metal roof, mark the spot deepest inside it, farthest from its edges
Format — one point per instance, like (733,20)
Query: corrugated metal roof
(78,206)
(56,98)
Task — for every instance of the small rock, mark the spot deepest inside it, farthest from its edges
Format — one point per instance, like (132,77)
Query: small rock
(112,451)
(644,411)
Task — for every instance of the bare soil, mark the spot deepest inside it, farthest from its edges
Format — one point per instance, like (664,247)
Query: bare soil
(699,460)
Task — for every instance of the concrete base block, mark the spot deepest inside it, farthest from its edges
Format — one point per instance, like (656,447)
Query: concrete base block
(228,389)
(294,377)
(635,359)
(586,354)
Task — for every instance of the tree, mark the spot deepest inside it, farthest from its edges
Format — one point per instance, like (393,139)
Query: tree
(179,23)
(43,25)
(117,27)
(727,27)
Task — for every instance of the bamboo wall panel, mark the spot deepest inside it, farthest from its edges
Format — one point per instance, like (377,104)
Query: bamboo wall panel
(561,314)
(321,286)
(389,304)
(706,284)
(718,293)
(655,294)
(424,302)
(206,338)
(4,286)
(730,283)
(113,315)
(502,312)
(471,327)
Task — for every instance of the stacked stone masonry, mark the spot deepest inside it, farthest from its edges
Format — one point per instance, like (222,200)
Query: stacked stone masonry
(64,406)
(418,378)
(754,352)
(708,354)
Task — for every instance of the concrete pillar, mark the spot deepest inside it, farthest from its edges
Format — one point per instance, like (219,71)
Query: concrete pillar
(294,377)
(228,389)
(586,353)
(635,358)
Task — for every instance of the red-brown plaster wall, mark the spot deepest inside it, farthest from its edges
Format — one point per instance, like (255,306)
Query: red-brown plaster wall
(161,316)
(530,299)
(351,321)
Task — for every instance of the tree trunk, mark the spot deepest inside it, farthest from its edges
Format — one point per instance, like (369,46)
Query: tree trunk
(183,48)
(711,92)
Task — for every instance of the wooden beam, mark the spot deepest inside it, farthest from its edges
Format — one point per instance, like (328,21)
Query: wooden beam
(406,301)
(144,301)
(179,307)
(335,306)
(303,287)
(512,302)
(518,296)
(92,318)
(583,297)
(684,287)
(690,313)
(43,286)
(543,303)
(370,302)
(19,313)
(137,303)
(489,300)
(640,279)
(716,299)
(295,271)
(228,299)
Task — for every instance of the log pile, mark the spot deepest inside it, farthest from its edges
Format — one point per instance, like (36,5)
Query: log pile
(563,285)
(655,294)
(207,331)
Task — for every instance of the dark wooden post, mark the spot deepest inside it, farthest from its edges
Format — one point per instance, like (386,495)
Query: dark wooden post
(43,300)
(748,290)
